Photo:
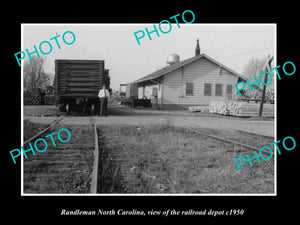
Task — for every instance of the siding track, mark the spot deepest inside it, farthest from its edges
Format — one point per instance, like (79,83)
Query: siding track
(65,168)
(243,139)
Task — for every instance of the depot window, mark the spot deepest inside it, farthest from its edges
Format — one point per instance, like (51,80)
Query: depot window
(207,89)
(219,90)
(189,89)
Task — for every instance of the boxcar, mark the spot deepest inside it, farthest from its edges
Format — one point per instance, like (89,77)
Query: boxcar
(77,83)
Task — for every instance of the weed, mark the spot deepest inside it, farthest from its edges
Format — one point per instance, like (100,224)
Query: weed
(167,159)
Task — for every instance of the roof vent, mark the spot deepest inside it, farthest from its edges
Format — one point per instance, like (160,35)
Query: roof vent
(173,58)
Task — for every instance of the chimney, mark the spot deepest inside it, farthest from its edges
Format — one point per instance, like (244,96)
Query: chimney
(197,50)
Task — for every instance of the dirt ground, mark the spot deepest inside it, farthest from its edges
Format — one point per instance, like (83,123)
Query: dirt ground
(63,168)
(148,151)
(140,117)
(166,159)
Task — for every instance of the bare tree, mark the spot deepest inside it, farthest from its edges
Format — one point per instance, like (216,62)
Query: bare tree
(106,80)
(254,68)
(34,75)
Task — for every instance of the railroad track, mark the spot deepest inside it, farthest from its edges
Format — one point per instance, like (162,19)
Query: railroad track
(180,161)
(70,167)
(256,135)
(244,139)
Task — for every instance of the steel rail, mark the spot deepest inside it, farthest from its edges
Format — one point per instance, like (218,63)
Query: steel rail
(43,131)
(224,140)
(94,182)
(257,135)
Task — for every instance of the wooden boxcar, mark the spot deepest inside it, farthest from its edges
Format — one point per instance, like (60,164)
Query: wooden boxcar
(77,84)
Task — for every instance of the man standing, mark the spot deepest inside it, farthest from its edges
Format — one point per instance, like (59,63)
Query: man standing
(103,95)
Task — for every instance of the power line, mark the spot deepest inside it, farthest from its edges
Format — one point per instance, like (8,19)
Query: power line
(244,53)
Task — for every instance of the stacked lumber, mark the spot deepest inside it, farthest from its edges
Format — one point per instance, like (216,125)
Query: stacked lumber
(31,98)
(243,109)
(49,99)
(218,107)
(197,108)
(35,98)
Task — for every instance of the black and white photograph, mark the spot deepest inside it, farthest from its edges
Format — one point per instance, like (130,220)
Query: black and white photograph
(178,114)
(149,113)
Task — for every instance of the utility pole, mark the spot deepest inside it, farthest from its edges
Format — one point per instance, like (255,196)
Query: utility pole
(267,67)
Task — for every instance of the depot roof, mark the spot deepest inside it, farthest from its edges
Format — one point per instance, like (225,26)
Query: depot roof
(178,65)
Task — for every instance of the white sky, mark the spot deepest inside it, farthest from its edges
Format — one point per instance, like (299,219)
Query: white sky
(231,44)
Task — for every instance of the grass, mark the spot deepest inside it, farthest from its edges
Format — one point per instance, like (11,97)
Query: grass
(65,168)
(31,129)
(166,159)
(148,159)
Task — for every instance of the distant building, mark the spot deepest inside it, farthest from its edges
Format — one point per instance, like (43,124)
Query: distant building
(194,81)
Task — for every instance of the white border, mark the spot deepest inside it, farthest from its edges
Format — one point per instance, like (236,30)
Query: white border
(143,24)
(22,113)
(275,108)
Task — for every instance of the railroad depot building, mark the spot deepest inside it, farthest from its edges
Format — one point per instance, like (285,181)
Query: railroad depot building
(194,81)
